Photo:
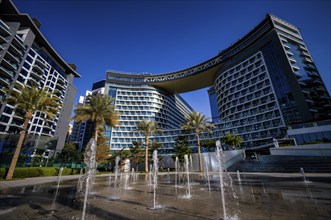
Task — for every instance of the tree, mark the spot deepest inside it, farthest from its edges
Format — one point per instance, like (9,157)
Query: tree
(198,123)
(100,111)
(148,128)
(136,152)
(232,140)
(103,152)
(181,148)
(70,153)
(29,100)
(209,143)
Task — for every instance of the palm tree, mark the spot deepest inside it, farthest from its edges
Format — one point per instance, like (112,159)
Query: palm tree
(100,110)
(148,128)
(29,100)
(198,123)
(232,140)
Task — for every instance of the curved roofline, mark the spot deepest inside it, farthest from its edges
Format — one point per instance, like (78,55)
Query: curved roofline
(198,76)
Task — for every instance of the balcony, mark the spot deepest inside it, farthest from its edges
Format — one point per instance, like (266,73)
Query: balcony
(61,80)
(324,97)
(22,84)
(4,81)
(287,47)
(59,86)
(18,43)
(38,69)
(18,117)
(313,74)
(37,76)
(10,65)
(310,68)
(307,60)
(11,57)
(295,68)
(302,83)
(4,29)
(33,82)
(40,63)
(13,124)
(16,51)
(318,82)
(305,54)
(3,40)
(289,53)
(301,47)
(4,71)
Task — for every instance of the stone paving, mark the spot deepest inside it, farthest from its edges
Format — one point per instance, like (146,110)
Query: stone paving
(255,196)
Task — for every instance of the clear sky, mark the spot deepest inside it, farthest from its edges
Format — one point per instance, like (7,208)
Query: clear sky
(167,35)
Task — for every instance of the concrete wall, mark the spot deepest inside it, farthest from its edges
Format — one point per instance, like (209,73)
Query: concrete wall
(303,150)
(230,157)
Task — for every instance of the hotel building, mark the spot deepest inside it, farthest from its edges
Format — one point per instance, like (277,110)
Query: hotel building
(260,86)
(27,58)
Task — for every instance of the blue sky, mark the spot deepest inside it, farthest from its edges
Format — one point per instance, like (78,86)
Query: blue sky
(164,36)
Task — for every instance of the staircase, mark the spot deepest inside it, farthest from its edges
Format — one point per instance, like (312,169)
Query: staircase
(283,164)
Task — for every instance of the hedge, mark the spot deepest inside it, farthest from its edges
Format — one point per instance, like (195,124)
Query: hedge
(26,172)
(2,173)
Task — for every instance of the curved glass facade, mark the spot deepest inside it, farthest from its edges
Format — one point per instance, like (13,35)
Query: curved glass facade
(137,103)
(260,85)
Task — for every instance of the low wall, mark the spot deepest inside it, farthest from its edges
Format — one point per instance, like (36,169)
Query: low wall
(230,157)
(303,150)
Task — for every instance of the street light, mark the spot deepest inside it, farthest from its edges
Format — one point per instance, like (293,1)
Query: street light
(47,154)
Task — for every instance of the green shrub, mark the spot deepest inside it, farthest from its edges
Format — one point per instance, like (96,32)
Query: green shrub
(2,173)
(48,171)
(26,172)
(70,171)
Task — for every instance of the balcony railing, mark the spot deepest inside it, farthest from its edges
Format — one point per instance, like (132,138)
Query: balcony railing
(4,71)
(13,49)
(4,81)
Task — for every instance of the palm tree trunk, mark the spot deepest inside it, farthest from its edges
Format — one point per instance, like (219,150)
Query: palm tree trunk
(199,153)
(13,163)
(146,155)
(96,126)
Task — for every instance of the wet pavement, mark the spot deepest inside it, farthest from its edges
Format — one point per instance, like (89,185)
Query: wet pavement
(254,196)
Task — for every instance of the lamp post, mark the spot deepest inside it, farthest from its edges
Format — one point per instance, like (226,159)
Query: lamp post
(47,154)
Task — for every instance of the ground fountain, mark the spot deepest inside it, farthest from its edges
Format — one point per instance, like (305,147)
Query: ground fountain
(89,160)
(238,176)
(155,178)
(262,196)
(116,179)
(59,177)
(207,172)
(304,178)
(219,156)
(187,172)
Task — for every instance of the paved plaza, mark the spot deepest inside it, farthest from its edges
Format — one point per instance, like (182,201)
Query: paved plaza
(247,196)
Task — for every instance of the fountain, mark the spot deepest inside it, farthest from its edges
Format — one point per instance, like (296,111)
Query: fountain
(116,174)
(219,155)
(238,176)
(176,173)
(281,196)
(89,160)
(304,178)
(59,177)
(207,173)
(155,173)
(188,189)
(126,170)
